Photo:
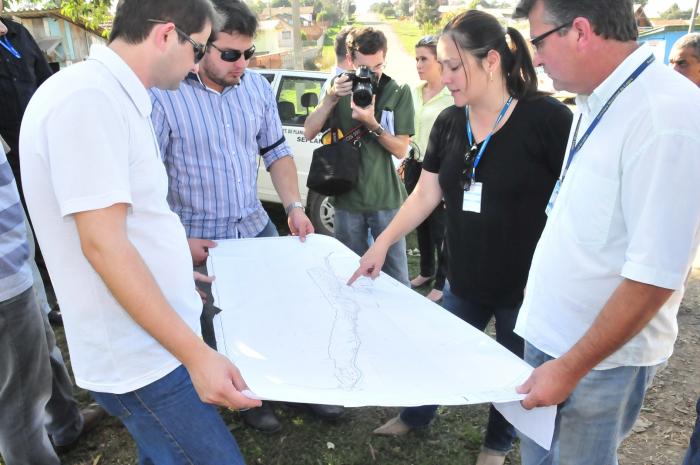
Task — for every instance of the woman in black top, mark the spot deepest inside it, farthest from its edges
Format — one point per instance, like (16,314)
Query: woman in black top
(494,156)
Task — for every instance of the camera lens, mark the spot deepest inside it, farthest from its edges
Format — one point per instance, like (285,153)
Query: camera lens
(362,94)
(362,87)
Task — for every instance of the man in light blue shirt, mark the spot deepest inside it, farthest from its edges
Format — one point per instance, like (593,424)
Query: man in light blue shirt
(211,131)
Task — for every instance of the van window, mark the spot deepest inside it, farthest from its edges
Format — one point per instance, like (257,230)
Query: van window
(297,97)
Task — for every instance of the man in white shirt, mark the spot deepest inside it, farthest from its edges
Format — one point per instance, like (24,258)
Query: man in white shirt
(685,57)
(117,254)
(607,277)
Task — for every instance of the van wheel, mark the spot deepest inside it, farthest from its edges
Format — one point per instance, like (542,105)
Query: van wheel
(321,213)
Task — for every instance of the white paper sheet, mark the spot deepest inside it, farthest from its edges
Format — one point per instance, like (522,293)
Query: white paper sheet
(298,333)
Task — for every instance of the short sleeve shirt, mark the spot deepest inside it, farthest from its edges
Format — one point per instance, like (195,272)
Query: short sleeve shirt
(628,208)
(426,113)
(378,187)
(87,143)
(489,253)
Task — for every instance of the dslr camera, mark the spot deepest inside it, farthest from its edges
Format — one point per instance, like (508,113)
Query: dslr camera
(364,85)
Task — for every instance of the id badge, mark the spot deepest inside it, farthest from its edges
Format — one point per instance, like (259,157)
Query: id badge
(553,198)
(471,202)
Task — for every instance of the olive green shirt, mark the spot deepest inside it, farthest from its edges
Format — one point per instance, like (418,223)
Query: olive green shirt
(378,187)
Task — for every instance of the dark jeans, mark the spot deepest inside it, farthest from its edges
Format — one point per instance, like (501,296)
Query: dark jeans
(35,389)
(431,235)
(499,433)
(693,455)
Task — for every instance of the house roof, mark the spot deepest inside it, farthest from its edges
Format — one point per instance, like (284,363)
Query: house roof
(56,12)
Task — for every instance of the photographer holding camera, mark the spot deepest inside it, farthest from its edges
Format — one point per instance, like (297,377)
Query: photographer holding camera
(382,110)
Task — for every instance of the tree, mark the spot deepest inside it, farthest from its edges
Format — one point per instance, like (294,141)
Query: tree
(405,7)
(280,3)
(427,12)
(675,12)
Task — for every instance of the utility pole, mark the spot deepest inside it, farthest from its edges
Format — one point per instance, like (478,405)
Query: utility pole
(692,16)
(297,52)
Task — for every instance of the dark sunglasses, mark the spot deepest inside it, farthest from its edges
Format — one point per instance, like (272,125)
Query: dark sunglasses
(235,55)
(199,49)
(427,41)
(469,157)
(536,41)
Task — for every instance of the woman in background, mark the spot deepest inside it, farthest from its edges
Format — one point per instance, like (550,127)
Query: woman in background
(430,97)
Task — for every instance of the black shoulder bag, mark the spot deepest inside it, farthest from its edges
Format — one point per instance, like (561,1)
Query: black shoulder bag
(334,167)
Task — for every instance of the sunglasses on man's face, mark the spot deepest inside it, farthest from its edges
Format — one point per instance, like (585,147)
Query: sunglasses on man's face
(199,49)
(232,55)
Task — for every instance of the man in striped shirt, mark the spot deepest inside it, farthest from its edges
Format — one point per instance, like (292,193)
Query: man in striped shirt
(210,132)
(35,389)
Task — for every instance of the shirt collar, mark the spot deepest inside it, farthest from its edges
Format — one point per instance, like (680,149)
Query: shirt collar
(592,104)
(131,84)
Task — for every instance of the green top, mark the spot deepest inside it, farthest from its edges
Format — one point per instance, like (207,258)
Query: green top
(378,187)
(427,113)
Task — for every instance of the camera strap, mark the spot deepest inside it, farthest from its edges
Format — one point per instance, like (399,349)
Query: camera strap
(355,134)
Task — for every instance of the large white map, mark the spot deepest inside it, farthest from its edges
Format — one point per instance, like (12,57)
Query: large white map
(298,333)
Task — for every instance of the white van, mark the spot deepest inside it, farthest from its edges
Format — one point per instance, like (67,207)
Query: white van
(297,94)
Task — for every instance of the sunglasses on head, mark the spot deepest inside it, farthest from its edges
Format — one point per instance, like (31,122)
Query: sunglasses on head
(199,49)
(235,55)
(427,41)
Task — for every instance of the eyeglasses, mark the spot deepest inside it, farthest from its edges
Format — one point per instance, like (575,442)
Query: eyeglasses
(375,69)
(199,49)
(469,157)
(427,41)
(232,55)
(537,41)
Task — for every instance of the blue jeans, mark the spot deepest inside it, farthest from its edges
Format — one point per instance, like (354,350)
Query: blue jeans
(35,390)
(351,229)
(499,433)
(692,457)
(171,425)
(597,416)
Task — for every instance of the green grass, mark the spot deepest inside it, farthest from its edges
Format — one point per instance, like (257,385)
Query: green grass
(408,31)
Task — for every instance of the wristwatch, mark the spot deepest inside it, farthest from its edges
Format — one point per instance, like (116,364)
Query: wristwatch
(288,209)
(377,132)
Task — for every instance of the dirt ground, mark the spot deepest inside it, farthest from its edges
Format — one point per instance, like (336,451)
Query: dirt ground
(663,429)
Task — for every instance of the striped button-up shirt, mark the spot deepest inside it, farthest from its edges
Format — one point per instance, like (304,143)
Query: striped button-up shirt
(210,143)
(15,274)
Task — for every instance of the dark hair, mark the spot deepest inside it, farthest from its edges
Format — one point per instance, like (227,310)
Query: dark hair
(131,19)
(478,33)
(611,19)
(237,18)
(339,42)
(429,42)
(365,40)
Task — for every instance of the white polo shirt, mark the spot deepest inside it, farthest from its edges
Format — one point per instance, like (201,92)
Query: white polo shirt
(87,143)
(629,207)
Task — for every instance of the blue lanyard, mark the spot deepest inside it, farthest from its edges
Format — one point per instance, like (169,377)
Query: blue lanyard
(8,46)
(488,138)
(576,146)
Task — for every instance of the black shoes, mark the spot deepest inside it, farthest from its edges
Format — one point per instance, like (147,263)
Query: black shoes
(92,414)
(55,317)
(262,418)
(327,412)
